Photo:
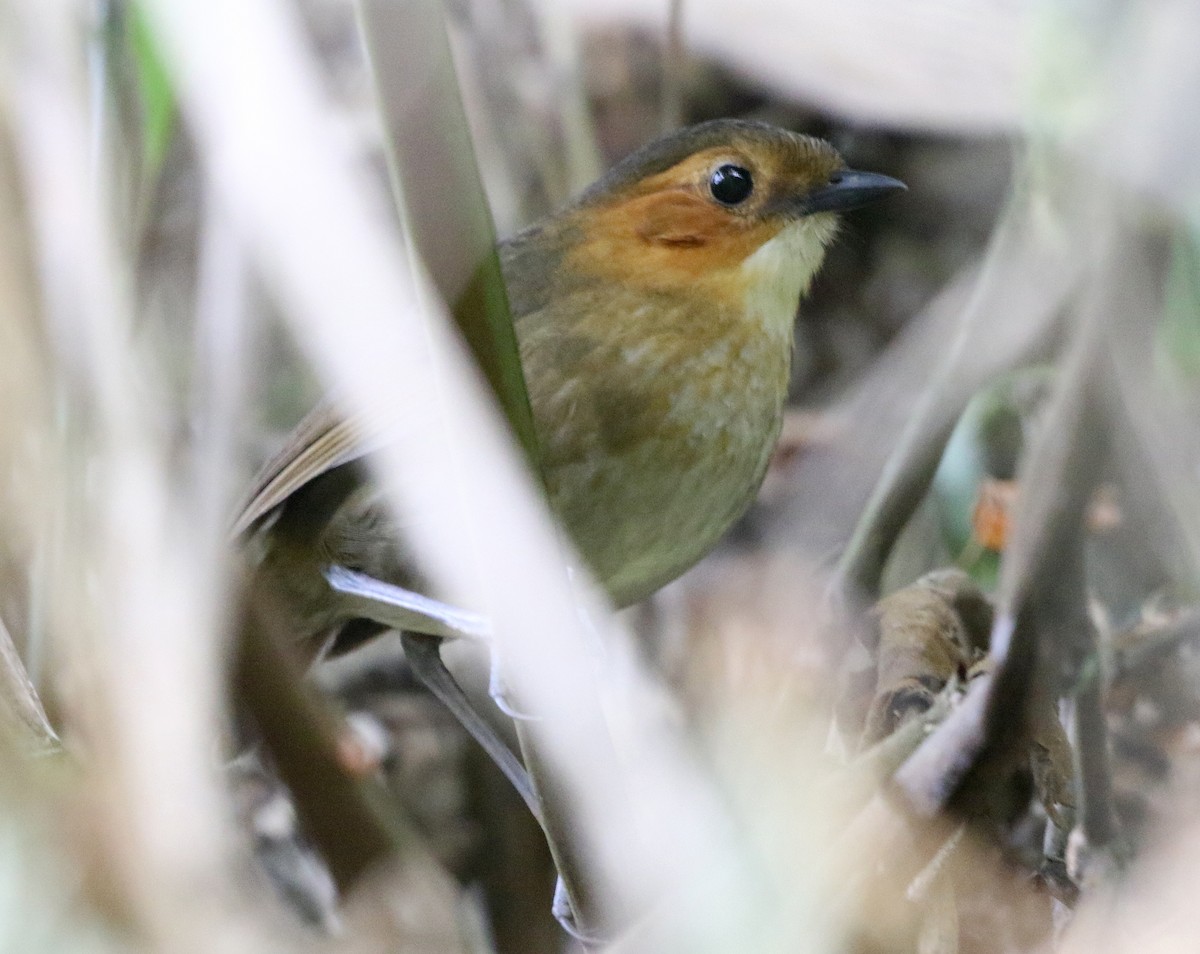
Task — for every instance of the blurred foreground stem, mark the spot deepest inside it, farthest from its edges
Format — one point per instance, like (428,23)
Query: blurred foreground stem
(445,214)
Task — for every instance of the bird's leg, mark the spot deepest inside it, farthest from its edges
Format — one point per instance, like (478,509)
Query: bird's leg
(497,691)
(424,656)
(402,609)
(407,611)
(423,622)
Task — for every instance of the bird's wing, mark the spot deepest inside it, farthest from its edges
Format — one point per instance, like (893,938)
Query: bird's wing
(326,438)
(323,440)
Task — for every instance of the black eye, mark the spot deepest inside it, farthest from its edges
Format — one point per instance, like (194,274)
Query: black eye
(730,184)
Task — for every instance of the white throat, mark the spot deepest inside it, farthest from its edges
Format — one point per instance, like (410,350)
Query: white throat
(783,268)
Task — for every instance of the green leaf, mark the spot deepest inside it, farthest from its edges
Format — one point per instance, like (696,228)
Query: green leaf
(158,98)
(988,443)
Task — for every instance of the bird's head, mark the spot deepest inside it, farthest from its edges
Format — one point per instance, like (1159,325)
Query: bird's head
(728,207)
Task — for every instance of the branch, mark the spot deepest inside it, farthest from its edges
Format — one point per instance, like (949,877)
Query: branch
(357,827)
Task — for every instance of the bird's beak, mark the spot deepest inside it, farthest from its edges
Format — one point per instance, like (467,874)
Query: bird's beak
(848,189)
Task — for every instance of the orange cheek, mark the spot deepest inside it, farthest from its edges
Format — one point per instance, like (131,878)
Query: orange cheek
(667,241)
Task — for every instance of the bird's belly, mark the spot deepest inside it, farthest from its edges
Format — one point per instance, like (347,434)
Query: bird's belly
(643,515)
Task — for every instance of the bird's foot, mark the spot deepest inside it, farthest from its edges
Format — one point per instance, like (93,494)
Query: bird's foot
(564,914)
(499,691)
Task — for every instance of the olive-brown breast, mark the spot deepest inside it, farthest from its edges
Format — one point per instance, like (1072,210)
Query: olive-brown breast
(656,407)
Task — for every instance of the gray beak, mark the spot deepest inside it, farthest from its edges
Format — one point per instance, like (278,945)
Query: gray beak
(849,189)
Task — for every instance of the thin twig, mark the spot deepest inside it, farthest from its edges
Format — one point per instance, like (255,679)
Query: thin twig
(581,150)
(19,700)
(673,69)
(1128,301)
(1141,645)
(1096,812)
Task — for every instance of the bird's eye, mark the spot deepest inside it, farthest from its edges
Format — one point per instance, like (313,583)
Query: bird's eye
(730,184)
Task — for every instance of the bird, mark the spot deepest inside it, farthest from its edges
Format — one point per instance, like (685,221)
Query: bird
(654,317)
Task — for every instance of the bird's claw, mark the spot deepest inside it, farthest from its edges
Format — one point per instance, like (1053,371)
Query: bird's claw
(564,914)
(499,692)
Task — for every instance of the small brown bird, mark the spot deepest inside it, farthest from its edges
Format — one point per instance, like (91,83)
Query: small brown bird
(654,316)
